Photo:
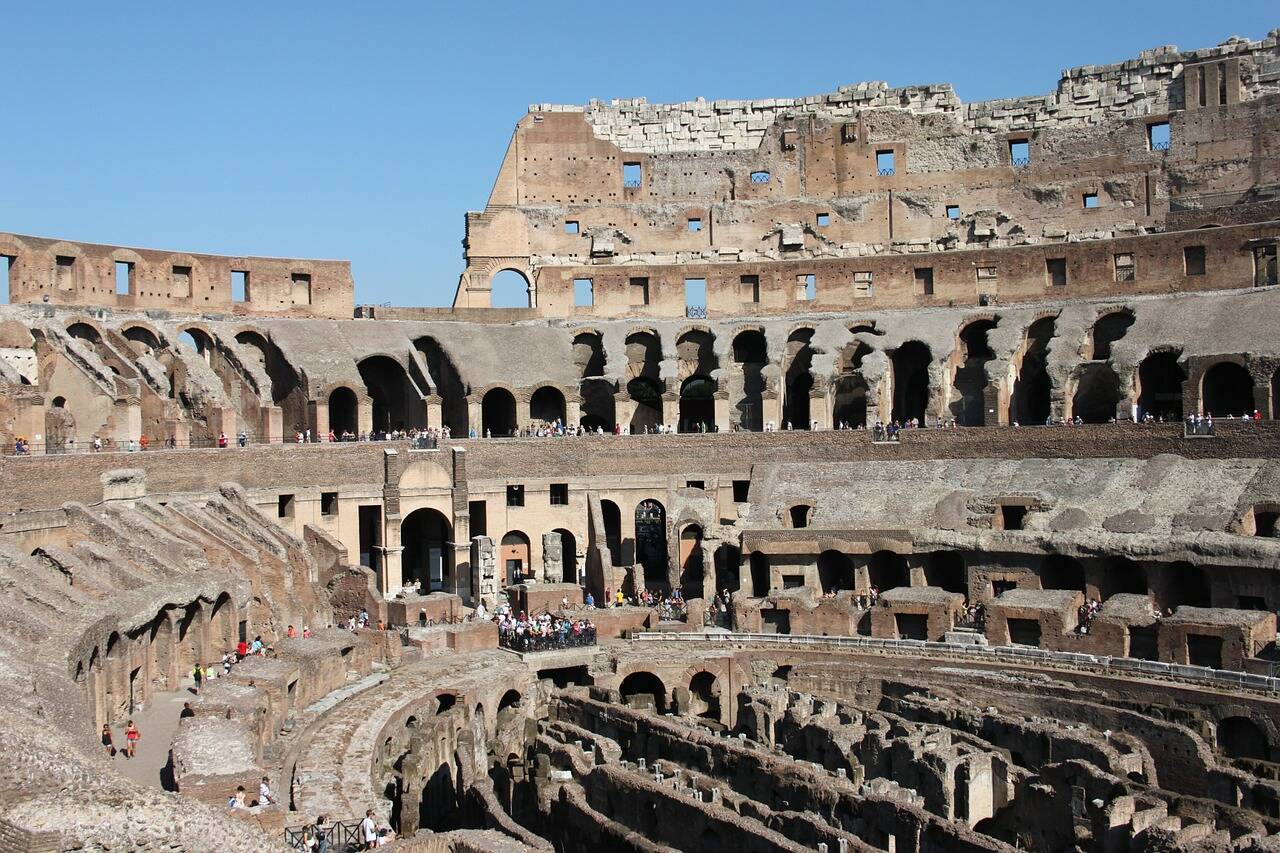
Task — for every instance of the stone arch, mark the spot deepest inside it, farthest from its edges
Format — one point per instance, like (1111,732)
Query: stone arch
(1058,571)
(646,394)
(798,378)
(642,682)
(447,382)
(651,541)
(589,355)
(695,352)
(1241,737)
(909,364)
(697,404)
(547,405)
(1033,389)
(750,356)
(835,571)
(1097,394)
(286,384)
(498,412)
(85,331)
(692,573)
(798,515)
(1107,329)
(146,335)
(510,699)
(887,570)
(704,695)
(515,556)
(510,287)
(427,559)
(1226,388)
(344,407)
(612,517)
(946,569)
(728,560)
(972,353)
(397,402)
(1160,381)
(223,628)
(568,555)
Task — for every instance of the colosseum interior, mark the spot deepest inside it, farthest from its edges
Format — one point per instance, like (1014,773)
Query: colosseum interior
(931,446)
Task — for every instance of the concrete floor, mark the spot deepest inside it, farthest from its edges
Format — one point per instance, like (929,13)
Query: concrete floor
(157,723)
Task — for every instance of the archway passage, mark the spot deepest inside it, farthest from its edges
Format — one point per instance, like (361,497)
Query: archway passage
(547,406)
(510,289)
(647,396)
(971,373)
(1097,394)
(448,385)
(750,355)
(1227,389)
(343,409)
(427,558)
(613,530)
(651,542)
(910,364)
(498,413)
(1032,389)
(697,405)
(568,555)
(704,696)
(1240,737)
(760,581)
(599,408)
(514,556)
(642,684)
(691,562)
(397,402)
(1108,329)
(887,570)
(1062,572)
(835,571)
(144,336)
(849,405)
(1160,379)
(799,379)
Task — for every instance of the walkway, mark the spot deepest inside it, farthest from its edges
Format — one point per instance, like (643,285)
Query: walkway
(157,722)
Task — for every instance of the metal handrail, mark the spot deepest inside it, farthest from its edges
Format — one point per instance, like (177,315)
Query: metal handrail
(343,836)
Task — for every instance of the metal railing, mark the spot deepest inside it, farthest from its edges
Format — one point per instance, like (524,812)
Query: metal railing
(886,173)
(1104,663)
(1019,162)
(697,312)
(631,184)
(106,445)
(760,177)
(343,836)
(526,643)
(1160,146)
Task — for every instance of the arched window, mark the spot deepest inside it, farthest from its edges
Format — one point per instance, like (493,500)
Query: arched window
(510,289)
(1227,389)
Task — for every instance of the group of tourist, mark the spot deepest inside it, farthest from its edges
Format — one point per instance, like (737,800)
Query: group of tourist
(1085,615)
(131,737)
(540,633)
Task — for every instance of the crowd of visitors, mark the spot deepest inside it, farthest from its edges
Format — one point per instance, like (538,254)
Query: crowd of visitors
(542,633)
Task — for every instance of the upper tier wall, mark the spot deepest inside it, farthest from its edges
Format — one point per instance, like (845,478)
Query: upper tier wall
(59,272)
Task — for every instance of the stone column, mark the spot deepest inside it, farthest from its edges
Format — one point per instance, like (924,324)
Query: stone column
(819,411)
(771,408)
(392,574)
(272,425)
(670,408)
(483,568)
(624,409)
(723,422)
(475,419)
(364,416)
(318,411)
(435,416)
(552,557)
(572,410)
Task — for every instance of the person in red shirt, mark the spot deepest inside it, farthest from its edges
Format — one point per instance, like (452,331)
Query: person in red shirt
(242,649)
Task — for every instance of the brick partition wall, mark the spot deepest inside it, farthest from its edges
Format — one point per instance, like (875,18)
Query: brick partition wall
(45,482)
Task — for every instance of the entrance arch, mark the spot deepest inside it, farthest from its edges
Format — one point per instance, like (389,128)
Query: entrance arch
(427,558)
(568,555)
(799,379)
(750,355)
(1097,394)
(1240,737)
(498,412)
(397,403)
(547,405)
(651,542)
(613,530)
(704,695)
(1227,389)
(1029,403)
(691,563)
(644,683)
(1160,379)
(647,395)
(510,288)
(971,373)
(514,557)
(887,570)
(343,408)
(835,571)
(697,404)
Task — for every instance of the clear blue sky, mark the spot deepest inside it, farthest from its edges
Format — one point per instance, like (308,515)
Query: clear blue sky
(364,130)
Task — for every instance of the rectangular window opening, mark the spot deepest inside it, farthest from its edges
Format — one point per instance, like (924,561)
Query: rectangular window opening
(583,293)
(1193,260)
(124,278)
(1019,152)
(631,175)
(741,491)
(823,219)
(988,273)
(695,484)
(515,495)
(284,506)
(792,581)
(559,494)
(301,288)
(695,224)
(1265,273)
(1158,136)
(1056,270)
(639,291)
(806,287)
(239,286)
(863,285)
(1125,267)
(750,285)
(66,266)
(884,163)
(1012,517)
(6,271)
(695,297)
(329,503)
(924,281)
(479,513)
(953,211)
(1222,84)
(1090,201)
(571,227)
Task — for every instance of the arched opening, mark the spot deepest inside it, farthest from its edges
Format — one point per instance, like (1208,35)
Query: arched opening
(728,566)
(510,289)
(598,405)
(651,542)
(588,354)
(799,379)
(849,391)
(546,406)
(750,355)
(613,530)
(647,396)
(196,340)
(1227,389)
(397,402)
(59,402)
(1108,329)
(835,571)
(691,571)
(445,702)
(427,558)
(1031,390)
(85,332)
(798,516)
(910,365)
(639,688)
(697,404)
(142,335)
(1160,379)
(1062,572)
(1123,575)
(1097,394)
(568,556)
(704,696)
(1240,737)
(514,557)
(946,569)
(342,411)
(510,699)
(286,388)
(971,373)
(1185,584)
(887,570)
(498,413)
(759,565)
(448,385)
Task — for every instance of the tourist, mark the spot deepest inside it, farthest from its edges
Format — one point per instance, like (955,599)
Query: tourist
(131,736)
(107,742)
(242,649)
(243,439)
(291,633)
(321,832)
(368,830)
(621,599)
(306,632)
(591,601)
(265,798)
(197,675)
(222,439)
(186,711)
(237,799)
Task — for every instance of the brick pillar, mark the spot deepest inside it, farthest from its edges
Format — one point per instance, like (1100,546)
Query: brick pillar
(392,576)
(624,408)
(474,415)
(364,415)
(670,408)
(572,411)
(435,416)
(272,425)
(723,422)
(771,409)
(819,410)
(319,417)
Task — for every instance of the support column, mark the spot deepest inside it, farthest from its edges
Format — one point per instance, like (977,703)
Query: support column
(364,416)
(435,411)
(474,415)
(771,409)
(319,417)
(572,411)
(723,424)
(671,408)
(624,409)
(391,550)
(272,425)
(523,417)
(819,411)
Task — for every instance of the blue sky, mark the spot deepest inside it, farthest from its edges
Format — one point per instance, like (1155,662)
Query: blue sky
(365,130)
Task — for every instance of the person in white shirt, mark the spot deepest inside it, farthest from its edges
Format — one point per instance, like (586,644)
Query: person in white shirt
(264,793)
(368,831)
